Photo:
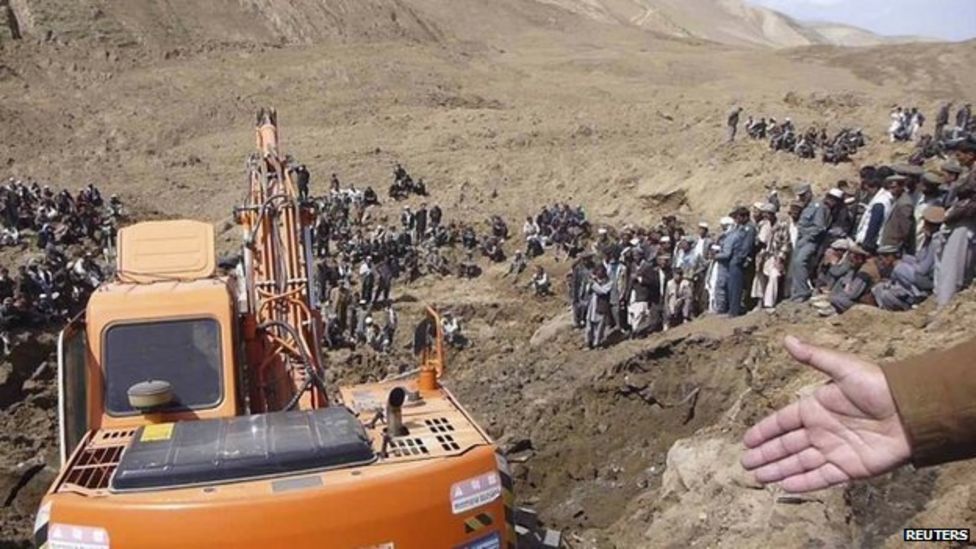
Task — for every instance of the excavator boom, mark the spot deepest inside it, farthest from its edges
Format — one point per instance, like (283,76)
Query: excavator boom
(282,323)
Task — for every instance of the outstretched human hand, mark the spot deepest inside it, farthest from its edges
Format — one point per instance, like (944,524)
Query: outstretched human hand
(848,429)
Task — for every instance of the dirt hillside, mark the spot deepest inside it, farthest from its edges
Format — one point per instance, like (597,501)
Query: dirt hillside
(733,22)
(502,107)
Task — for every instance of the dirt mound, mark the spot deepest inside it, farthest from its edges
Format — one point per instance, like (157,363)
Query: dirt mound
(638,445)
(28,433)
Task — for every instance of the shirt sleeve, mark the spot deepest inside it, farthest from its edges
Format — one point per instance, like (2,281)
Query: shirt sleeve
(935,395)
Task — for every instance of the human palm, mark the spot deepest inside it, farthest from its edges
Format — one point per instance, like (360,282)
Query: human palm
(847,429)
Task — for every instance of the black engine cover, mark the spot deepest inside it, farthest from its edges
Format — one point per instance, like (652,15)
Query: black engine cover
(213,451)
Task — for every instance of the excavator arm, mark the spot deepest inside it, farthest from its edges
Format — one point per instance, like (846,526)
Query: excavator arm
(282,323)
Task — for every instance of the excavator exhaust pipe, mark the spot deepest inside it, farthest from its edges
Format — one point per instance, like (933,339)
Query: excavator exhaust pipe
(394,413)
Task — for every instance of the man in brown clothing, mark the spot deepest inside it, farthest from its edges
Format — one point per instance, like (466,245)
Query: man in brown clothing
(899,231)
(868,420)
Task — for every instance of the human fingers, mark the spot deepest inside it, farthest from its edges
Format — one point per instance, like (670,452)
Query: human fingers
(774,425)
(792,465)
(835,364)
(825,476)
(776,449)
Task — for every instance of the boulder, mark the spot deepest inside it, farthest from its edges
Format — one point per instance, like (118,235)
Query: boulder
(552,329)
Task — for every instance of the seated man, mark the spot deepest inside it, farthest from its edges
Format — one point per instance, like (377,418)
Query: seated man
(373,337)
(493,251)
(540,282)
(499,229)
(333,332)
(468,267)
(518,265)
(452,330)
(9,236)
(468,238)
(913,277)
(419,187)
(855,287)
(834,266)
(369,197)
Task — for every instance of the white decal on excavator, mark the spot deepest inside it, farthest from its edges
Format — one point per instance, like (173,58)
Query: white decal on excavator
(72,536)
(475,492)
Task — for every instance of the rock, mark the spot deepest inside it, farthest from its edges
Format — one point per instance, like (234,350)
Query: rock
(706,490)
(516,446)
(526,517)
(552,539)
(552,329)
(30,494)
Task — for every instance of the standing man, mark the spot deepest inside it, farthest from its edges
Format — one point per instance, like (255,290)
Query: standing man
(302,180)
(899,231)
(733,123)
(644,289)
(720,273)
(598,308)
(435,216)
(804,195)
(942,120)
(703,242)
(367,278)
(956,266)
(742,248)
(407,220)
(963,116)
(875,216)
(728,244)
(765,223)
(383,282)
(579,288)
(614,270)
(811,230)
(420,223)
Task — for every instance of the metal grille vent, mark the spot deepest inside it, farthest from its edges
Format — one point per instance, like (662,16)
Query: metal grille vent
(96,463)
(439,425)
(448,443)
(408,446)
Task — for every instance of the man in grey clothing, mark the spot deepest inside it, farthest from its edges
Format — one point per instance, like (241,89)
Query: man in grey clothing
(811,230)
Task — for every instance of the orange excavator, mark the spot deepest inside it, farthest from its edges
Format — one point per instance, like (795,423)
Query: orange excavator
(194,412)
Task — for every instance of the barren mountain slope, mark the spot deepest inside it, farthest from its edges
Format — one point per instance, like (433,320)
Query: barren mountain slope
(170,23)
(732,22)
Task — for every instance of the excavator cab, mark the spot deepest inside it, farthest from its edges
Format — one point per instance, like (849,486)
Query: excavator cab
(193,410)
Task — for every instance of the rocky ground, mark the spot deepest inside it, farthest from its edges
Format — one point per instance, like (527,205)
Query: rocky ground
(502,107)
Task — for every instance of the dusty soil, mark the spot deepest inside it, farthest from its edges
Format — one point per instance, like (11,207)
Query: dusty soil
(502,107)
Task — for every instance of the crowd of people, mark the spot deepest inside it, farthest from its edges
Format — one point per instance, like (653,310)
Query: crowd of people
(358,261)
(811,143)
(902,234)
(906,124)
(946,134)
(64,245)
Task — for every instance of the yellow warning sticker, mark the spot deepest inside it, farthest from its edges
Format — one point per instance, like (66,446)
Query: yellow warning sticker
(154,433)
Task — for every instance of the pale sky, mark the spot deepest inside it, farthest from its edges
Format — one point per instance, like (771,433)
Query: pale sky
(945,19)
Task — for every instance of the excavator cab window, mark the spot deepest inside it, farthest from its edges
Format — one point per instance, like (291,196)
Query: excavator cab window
(184,353)
(72,386)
